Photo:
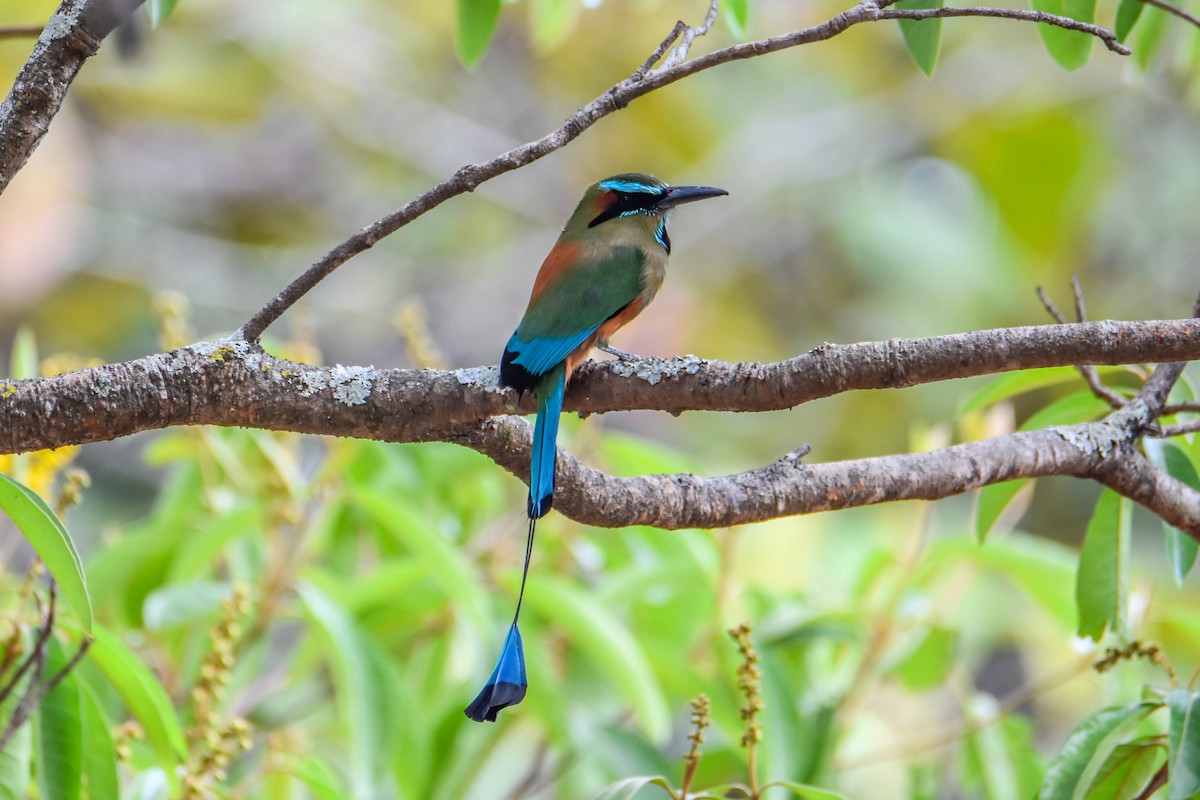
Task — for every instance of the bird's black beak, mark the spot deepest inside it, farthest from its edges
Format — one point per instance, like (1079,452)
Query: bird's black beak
(678,195)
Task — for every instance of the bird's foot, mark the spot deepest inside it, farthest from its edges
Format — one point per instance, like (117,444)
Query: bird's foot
(621,354)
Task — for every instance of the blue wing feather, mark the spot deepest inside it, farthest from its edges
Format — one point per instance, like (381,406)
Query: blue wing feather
(544,353)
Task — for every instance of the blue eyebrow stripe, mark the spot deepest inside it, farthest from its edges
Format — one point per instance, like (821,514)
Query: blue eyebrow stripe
(629,186)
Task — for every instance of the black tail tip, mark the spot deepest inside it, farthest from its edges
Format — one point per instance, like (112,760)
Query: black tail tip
(494,698)
(539,508)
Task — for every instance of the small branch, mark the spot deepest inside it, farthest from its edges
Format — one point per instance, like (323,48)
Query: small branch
(1089,373)
(1169,431)
(688,35)
(26,32)
(71,36)
(1157,782)
(35,690)
(641,82)
(1097,450)
(1173,9)
(1103,34)
(1181,408)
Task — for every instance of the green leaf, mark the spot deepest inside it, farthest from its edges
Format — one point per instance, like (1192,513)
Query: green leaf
(45,533)
(596,631)
(1128,12)
(1078,764)
(993,501)
(143,695)
(99,752)
(1181,548)
(930,661)
(1014,383)
(1081,406)
(1183,742)
(737,14)
(923,38)
(160,10)
(1148,37)
(360,695)
(1069,48)
(59,732)
(476,23)
(629,787)
(806,791)
(1041,568)
(318,777)
(24,361)
(15,759)
(171,606)
(445,564)
(1102,581)
(1127,771)
(986,750)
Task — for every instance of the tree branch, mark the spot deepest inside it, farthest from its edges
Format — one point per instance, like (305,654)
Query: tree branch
(643,81)
(234,382)
(71,36)
(1174,9)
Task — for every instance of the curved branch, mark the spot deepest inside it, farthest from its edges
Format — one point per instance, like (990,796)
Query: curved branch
(641,82)
(1025,15)
(789,487)
(71,36)
(1103,451)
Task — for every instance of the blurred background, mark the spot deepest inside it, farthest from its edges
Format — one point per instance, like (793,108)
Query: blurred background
(215,156)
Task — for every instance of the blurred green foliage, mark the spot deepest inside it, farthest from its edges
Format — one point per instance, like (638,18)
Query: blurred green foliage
(282,617)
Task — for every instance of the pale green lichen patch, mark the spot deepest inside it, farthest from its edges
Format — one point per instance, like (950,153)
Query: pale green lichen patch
(1097,437)
(313,380)
(62,23)
(653,369)
(352,385)
(7,390)
(486,378)
(223,349)
(102,385)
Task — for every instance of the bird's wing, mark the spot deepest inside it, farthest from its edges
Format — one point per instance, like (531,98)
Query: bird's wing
(572,306)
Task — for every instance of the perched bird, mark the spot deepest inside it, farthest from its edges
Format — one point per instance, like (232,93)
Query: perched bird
(606,267)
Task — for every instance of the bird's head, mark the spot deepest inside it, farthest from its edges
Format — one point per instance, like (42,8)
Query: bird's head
(632,205)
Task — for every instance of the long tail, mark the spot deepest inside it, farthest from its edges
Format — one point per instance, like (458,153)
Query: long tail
(507,684)
(545,442)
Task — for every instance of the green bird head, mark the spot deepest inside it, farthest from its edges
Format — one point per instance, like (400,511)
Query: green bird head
(631,206)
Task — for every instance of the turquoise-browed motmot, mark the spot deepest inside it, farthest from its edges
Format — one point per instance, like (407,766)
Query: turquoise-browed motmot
(606,267)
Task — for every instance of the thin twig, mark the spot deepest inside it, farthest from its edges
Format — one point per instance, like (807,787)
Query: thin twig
(641,82)
(1173,9)
(1181,408)
(37,659)
(1089,373)
(1157,782)
(1103,34)
(21,32)
(1179,429)
(688,36)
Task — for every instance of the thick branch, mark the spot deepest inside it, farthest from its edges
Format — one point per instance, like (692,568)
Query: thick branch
(71,36)
(641,82)
(1096,450)
(234,383)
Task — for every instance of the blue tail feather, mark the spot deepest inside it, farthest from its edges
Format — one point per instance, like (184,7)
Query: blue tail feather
(506,687)
(507,684)
(545,442)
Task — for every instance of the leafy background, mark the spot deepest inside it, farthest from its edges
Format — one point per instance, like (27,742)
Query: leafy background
(290,617)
